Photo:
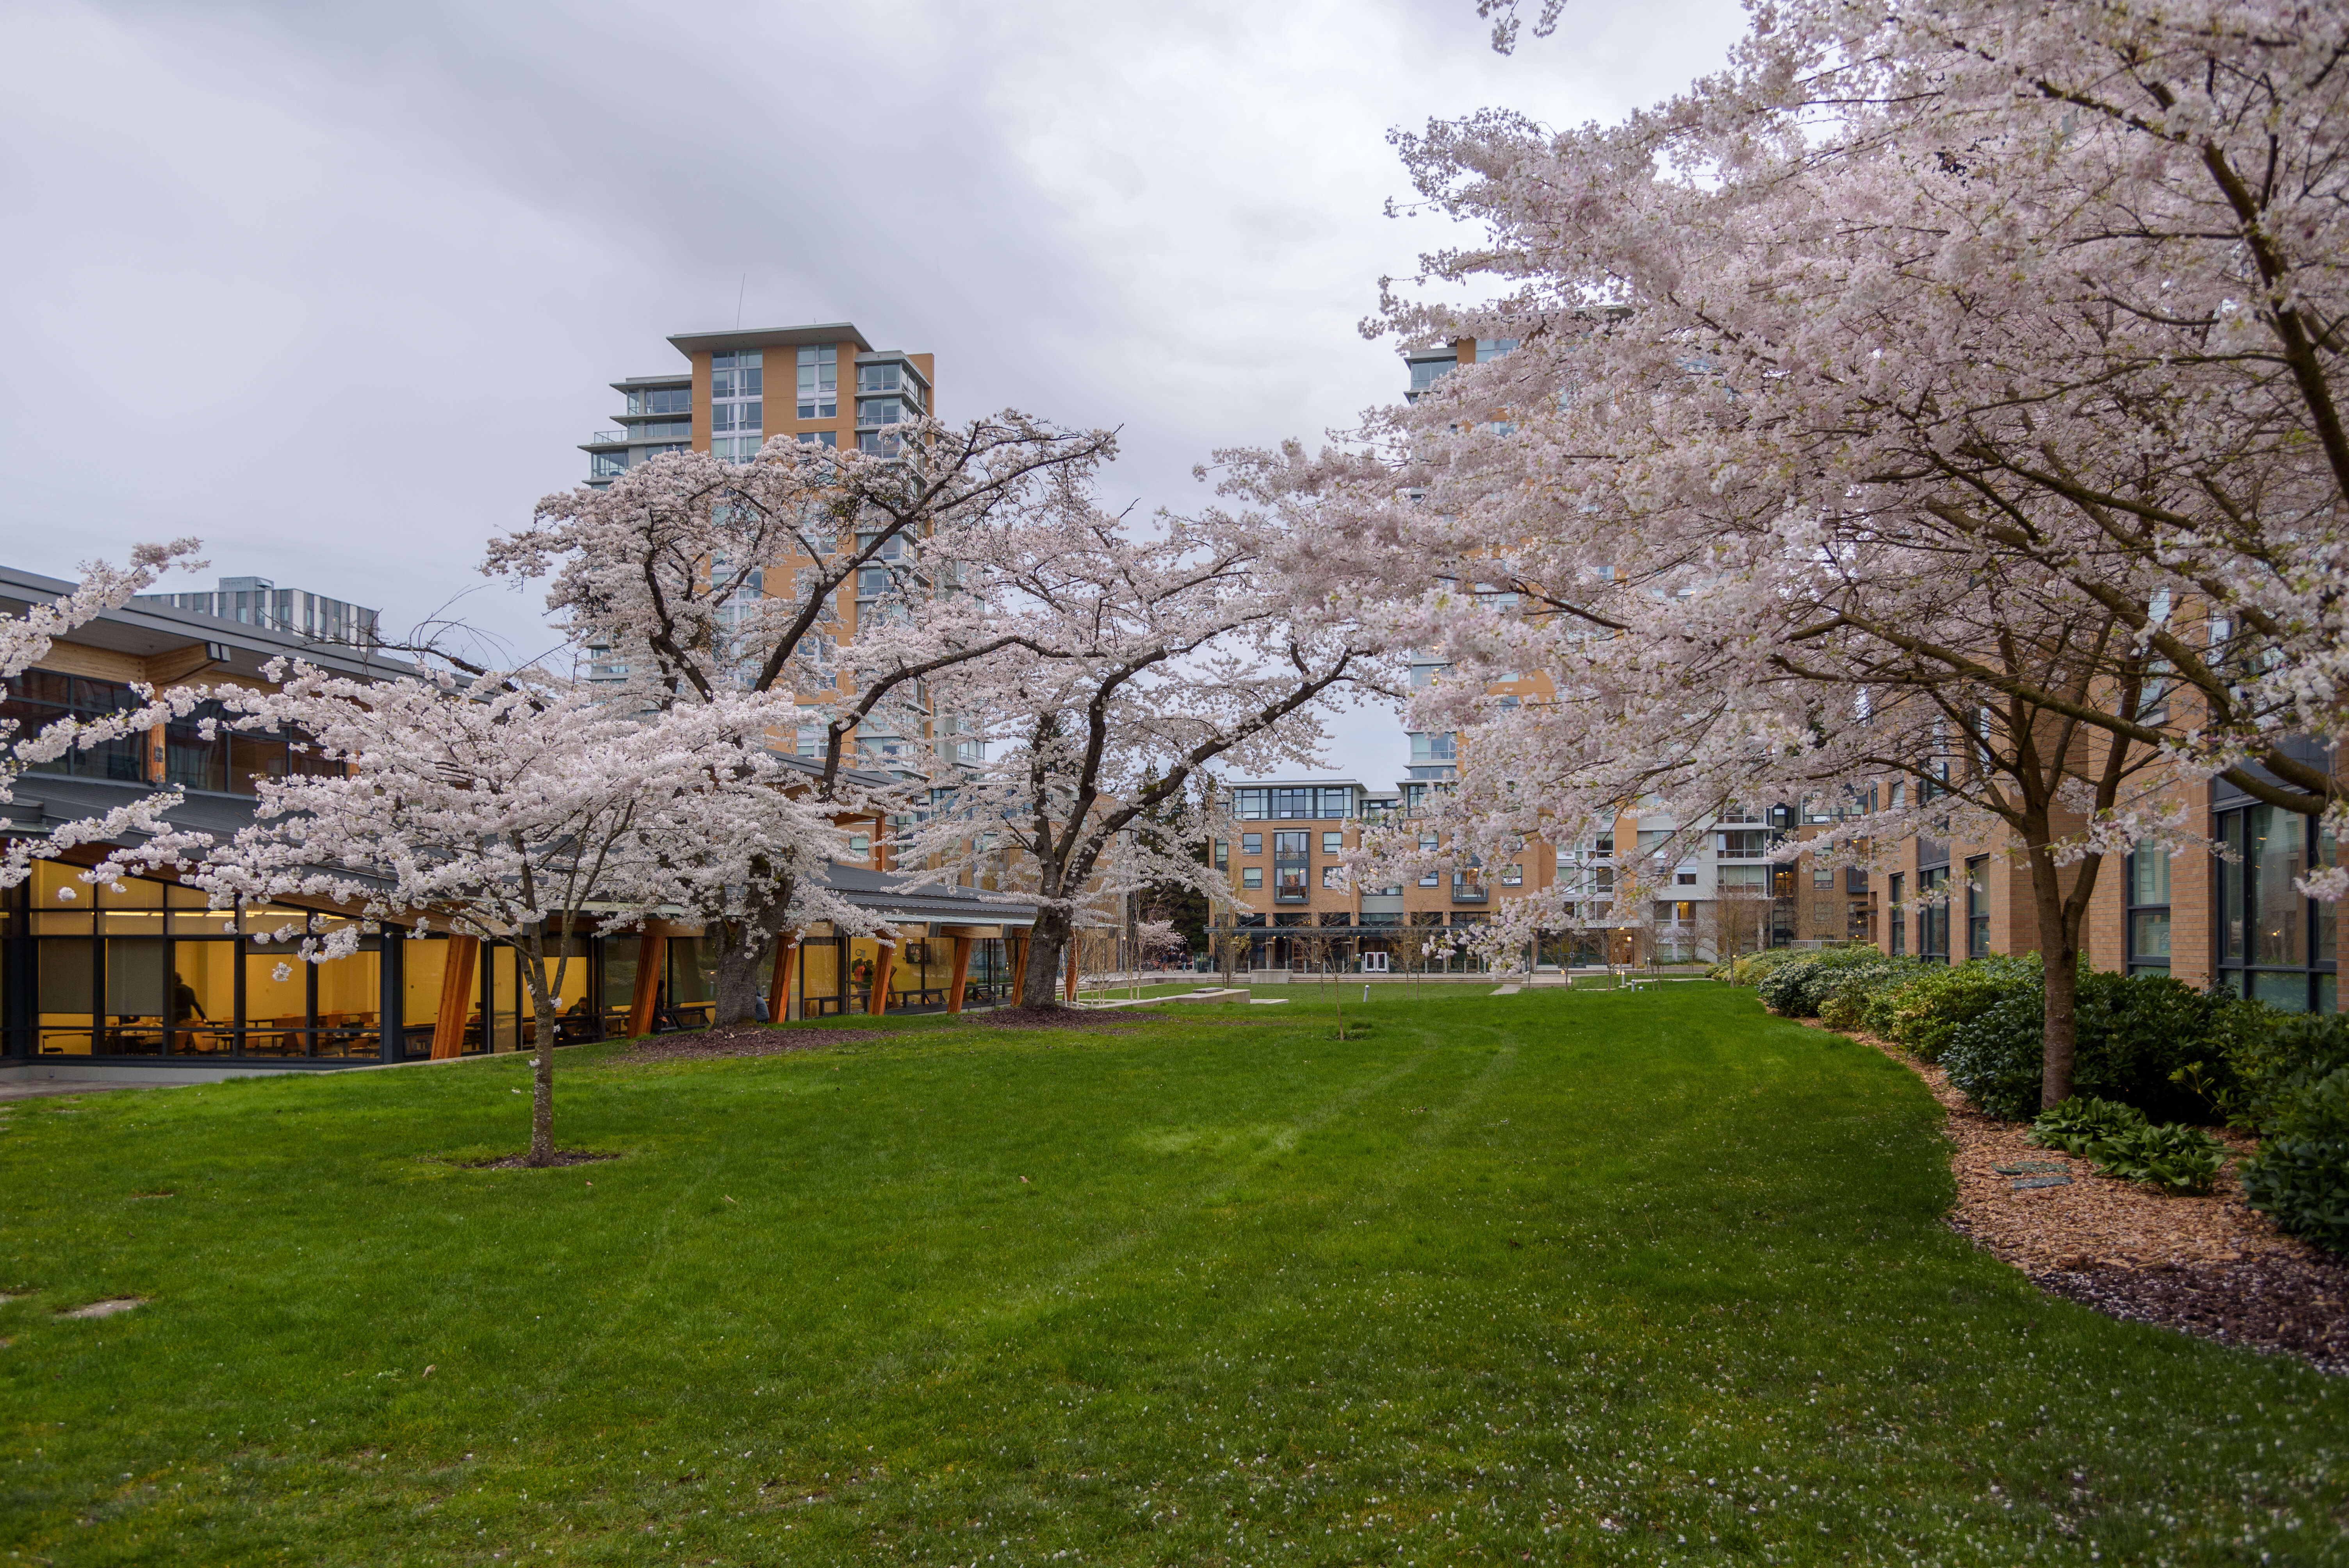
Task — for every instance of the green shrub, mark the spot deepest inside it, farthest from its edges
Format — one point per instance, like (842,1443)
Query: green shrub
(2081,1121)
(1750,969)
(2142,1040)
(1851,990)
(1926,1013)
(1796,988)
(1994,1057)
(2268,1066)
(2300,1177)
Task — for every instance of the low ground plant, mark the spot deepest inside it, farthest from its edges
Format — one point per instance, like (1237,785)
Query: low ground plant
(2124,1144)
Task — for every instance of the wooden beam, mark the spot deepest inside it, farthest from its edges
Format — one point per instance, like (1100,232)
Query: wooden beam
(652,952)
(457,997)
(779,992)
(883,965)
(962,972)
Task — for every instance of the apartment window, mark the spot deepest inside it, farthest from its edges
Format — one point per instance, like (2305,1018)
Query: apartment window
(2273,945)
(1428,846)
(1252,876)
(1933,919)
(1426,372)
(1333,877)
(1488,349)
(1978,907)
(1333,843)
(741,416)
(1684,879)
(818,382)
(1822,875)
(663,430)
(2148,912)
(1513,876)
(1433,748)
(1742,843)
(1895,889)
(661,400)
(881,411)
(736,375)
(1222,854)
(1604,844)
(819,437)
(875,444)
(879,377)
(1251,843)
(607,465)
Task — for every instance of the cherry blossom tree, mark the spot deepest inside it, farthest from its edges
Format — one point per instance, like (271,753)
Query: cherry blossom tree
(1123,663)
(1943,385)
(514,809)
(691,580)
(25,641)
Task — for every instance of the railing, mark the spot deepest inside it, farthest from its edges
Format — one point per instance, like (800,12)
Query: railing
(608,438)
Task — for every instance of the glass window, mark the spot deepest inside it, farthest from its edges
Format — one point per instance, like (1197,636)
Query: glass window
(1488,349)
(819,437)
(1250,805)
(1895,890)
(879,377)
(1251,876)
(1742,843)
(607,465)
(1426,372)
(2148,884)
(1822,874)
(1223,853)
(1251,843)
(1333,843)
(819,384)
(39,698)
(1433,747)
(881,411)
(1978,907)
(1513,876)
(2273,945)
(1333,876)
(1289,846)
(1933,919)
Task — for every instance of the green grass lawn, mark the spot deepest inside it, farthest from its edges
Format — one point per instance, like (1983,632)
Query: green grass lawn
(1553,1277)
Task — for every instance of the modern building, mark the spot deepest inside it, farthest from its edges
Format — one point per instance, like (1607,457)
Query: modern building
(824,385)
(97,982)
(258,602)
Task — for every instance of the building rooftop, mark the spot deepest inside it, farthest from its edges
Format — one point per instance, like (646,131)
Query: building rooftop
(769,338)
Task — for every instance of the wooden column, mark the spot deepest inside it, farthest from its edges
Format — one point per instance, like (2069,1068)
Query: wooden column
(457,997)
(1019,946)
(652,952)
(779,992)
(884,962)
(1072,966)
(962,972)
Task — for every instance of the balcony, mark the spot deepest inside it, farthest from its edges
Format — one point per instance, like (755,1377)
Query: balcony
(1288,882)
(608,438)
(1468,887)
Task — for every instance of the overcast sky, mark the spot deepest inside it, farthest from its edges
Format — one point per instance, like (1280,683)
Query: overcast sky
(338,288)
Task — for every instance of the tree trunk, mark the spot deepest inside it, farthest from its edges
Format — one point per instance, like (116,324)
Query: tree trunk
(542,1070)
(2059,956)
(745,957)
(746,951)
(1048,942)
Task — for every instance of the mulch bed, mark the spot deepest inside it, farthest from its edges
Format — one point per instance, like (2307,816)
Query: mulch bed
(2214,1266)
(741,1040)
(521,1162)
(1113,1019)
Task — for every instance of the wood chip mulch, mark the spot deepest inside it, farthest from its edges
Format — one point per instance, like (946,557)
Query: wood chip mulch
(521,1162)
(2214,1267)
(741,1040)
